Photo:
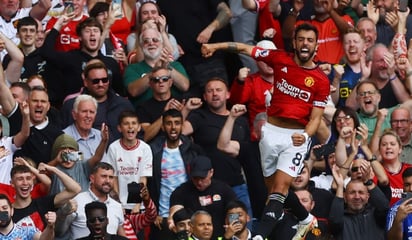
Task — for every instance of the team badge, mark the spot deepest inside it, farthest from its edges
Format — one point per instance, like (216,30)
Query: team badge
(309,81)
(216,198)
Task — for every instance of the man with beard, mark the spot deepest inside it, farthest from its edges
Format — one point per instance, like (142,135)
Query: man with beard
(172,154)
(96,215)
(382,73)
(235,222)
(72,63)
(101,183)
(136,76)
(297,105)
(9,230)
(385,17)
(330,24)
(150,111)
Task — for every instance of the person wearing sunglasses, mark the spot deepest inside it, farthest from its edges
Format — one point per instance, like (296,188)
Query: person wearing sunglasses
(96,219)
(136,76)
(96,83)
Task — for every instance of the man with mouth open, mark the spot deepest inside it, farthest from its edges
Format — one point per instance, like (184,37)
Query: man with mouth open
(298,101)
(101,184)
(72,63)
(97,221)
(43,132)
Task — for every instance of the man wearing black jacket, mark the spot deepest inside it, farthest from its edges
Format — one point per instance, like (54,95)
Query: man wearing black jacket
(72,63)
(172,154)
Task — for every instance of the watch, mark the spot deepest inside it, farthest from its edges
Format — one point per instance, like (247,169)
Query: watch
(373,158)
(293,12)
(368,183)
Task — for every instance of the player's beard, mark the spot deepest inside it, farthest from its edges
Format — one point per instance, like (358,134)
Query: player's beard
(309,57)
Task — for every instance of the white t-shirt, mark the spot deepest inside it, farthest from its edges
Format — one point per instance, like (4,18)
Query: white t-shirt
(129,165)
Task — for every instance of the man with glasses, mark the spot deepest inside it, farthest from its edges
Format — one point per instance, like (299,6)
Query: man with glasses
(376,119)
(72,63)
(97,221)
(136,76)
(401,124)
(382,66)
(109,104)
(150,111)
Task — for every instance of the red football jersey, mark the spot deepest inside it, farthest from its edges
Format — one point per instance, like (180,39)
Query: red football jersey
(296,90)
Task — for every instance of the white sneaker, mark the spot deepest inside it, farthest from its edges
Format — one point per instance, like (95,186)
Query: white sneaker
(303,229)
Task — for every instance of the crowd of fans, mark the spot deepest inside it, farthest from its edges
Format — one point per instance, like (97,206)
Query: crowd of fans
(213,119)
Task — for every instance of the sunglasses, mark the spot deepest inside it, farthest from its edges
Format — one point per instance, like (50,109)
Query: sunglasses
(344,118)
(97,80)
(150,40)
(93,220)
(354,169)
(160,79)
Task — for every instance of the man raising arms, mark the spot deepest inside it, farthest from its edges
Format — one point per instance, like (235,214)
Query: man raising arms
(298,101)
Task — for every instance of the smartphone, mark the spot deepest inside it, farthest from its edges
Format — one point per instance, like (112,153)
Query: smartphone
(133,190)
(324,150)
(233,217)
(72,156)
(4,216)
(403,5)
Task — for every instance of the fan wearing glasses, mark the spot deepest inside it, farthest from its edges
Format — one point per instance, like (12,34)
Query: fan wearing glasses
(109,105)
(150,111)
(96,215)
(136,76)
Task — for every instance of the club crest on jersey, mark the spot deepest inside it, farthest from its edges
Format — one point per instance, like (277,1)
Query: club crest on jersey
(309,81)
(262,53)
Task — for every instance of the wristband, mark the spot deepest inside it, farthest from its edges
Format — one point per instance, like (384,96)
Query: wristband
(306,135)
(373,158)
(392,78)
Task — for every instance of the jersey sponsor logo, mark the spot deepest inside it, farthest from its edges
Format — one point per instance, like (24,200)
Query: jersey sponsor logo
(262,53)
(205,200)
(309,81)
(292,168)
(293,91)
(284,69)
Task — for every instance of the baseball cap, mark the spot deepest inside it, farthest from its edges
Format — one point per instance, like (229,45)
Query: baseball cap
(63,141)
(266,44)
(200,166)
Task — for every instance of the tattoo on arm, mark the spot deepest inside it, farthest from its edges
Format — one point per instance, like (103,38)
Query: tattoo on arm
(223,15)
(232,47)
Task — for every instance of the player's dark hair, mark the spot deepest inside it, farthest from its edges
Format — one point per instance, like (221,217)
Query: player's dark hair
(307,27)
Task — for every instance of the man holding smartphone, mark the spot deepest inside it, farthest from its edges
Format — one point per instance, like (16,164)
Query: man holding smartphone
(236,220)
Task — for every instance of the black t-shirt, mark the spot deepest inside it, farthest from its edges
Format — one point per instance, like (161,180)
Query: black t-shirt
(39,144)
(206,130)
(213,200)
(34,213)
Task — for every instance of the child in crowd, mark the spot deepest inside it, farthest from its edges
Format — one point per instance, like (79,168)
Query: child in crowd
(130,157)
